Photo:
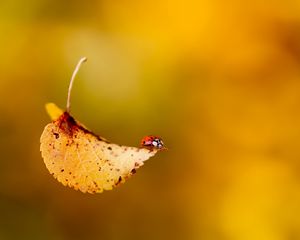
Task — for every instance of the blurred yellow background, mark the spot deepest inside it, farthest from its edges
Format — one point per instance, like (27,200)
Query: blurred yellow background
(219,81)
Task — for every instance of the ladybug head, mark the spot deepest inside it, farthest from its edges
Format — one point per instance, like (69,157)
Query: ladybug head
(152,142)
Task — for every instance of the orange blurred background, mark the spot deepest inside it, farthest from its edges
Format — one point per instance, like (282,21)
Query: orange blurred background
(219,81)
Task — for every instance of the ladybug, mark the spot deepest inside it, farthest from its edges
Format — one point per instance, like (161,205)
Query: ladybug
(152,142)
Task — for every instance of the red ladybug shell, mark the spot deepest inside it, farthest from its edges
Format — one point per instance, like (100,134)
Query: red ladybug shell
(152,142)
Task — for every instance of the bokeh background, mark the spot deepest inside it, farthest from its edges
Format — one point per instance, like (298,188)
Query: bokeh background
(218,80)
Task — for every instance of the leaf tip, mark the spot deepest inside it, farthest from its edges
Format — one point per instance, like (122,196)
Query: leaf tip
(53,111)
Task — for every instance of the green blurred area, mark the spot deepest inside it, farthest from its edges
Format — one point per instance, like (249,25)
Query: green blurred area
(219,81)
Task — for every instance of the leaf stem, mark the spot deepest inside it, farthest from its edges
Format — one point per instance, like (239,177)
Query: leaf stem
(82,60)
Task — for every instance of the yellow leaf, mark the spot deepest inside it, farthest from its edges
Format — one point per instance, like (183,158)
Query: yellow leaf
(78,158)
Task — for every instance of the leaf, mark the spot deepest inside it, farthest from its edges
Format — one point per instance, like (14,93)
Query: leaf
(80,159)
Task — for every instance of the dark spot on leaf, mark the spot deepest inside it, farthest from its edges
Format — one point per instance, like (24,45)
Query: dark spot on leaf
(119,180)
(56,135)
(133,171)
(109,148)
(62,170)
